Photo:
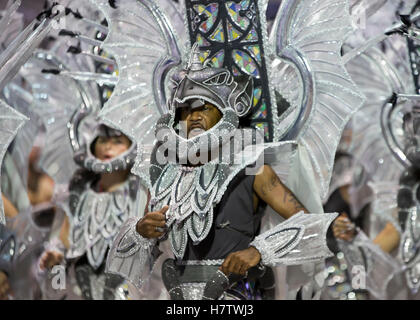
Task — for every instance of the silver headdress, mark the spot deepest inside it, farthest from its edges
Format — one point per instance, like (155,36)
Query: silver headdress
(214,85)
(195,85)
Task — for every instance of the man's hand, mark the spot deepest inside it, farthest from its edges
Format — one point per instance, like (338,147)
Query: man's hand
(4,286)
(49,259)
(343,228)
(241,261)
(152,225)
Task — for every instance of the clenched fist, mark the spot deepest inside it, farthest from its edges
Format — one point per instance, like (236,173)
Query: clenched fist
(241,261)
(49,259)
(343,228)
(152,225)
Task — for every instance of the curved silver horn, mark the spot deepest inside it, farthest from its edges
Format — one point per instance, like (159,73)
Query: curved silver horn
(387,112)
(282,25)
(162,68)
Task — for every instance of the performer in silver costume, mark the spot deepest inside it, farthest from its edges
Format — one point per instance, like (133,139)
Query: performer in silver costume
(10,122)
(222,95)
(99,203)
(224,136)
(378,134)
(13,48)
(103,194)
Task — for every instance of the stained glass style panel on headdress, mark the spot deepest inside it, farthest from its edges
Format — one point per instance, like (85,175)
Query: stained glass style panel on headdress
(263,126)
(256,97)
(218,34)
(230,34)
(204,55)
(202,42)
(255,52)
(235,11)
(245,63)
(218,59)
(209,12)
(252,36)
(233,33)
(261,113)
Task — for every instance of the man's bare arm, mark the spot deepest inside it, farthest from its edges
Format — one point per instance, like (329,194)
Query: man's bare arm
(9,209)
(271,190)
(388,239)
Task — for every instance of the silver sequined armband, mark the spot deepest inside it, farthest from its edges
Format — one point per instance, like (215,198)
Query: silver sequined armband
(300,239)
(132,256)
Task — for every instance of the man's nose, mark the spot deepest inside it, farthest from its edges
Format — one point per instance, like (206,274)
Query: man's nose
(108,145)
(195,115)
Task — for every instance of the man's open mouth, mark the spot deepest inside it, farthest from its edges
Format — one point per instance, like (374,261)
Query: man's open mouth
(195,131)
(196,126)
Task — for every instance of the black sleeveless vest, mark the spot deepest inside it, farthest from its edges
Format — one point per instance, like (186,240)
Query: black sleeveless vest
(235,223)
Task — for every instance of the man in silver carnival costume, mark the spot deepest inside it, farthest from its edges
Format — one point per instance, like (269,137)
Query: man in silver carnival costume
(212,175)
(246,139)
(207,205)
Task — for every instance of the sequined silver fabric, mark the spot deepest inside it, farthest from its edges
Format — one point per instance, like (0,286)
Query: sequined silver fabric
(192,192)
(100,286)
(409,251)
(10,122)
(300,239)
(97,219)
(8,247)
(378,267)
(193,291)
(132,256)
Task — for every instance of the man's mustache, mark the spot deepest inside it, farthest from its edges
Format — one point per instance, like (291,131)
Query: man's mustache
(197,125)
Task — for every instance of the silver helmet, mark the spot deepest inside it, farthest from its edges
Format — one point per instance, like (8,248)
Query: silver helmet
(200,83)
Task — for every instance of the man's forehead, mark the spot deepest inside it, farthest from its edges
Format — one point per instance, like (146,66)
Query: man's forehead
(195,104)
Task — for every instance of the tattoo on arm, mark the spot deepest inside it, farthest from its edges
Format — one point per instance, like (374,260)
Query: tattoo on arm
(277,195)
(273,182)
(289,198)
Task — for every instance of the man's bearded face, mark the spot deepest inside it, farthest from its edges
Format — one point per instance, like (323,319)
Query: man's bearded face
(195,121)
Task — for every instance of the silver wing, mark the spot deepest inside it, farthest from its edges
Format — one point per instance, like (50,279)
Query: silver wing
(147,40)
(310,73)
(10,122)
(55,100)
(12,22)
(23,45)
(366,7)
(378,80)
(22,101)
